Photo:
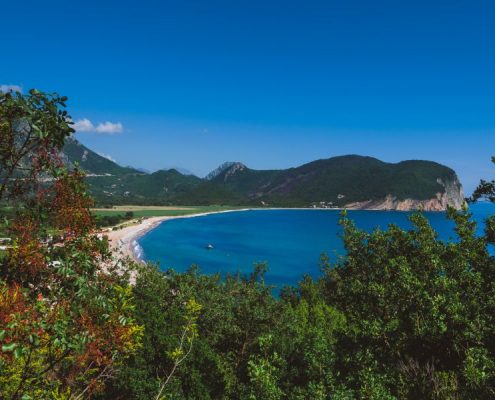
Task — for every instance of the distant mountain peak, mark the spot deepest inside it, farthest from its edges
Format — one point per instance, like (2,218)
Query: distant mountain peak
(181,170)
(227,169)
(93,163)
(143,170)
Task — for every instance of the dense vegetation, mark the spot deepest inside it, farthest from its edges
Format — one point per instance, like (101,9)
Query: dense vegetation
(110,183)
(354,178)
(402,316)
(66,321)
(336,181)
(112,220)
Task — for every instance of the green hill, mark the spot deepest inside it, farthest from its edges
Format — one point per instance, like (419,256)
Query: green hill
(91,162)
(110,183)
(348,181)
(343,181)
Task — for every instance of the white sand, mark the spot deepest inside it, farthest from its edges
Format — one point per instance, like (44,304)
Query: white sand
(122,240)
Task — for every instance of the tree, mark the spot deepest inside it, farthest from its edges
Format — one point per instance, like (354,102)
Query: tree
(33,129)
(235,312)
(403,315)
(420,312)
(65,313)
(485,190)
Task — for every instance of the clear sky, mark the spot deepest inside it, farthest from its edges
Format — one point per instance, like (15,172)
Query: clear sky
(270,83)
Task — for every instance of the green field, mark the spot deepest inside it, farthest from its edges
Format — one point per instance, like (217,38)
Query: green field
(118,214)
(150,211)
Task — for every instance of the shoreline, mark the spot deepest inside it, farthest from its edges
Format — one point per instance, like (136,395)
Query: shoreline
(124,240)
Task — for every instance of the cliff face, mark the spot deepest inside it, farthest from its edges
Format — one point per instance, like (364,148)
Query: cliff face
(453,196)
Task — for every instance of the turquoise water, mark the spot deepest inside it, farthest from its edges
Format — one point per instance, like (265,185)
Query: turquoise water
(290,241)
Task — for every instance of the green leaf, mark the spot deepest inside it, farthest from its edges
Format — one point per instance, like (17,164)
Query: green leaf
(7,348)
(18,352)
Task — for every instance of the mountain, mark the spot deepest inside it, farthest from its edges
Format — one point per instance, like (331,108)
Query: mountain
(183,171)
(92,163)
(352,181)
(349,181)
(222,168)
(144,170)
(111,183)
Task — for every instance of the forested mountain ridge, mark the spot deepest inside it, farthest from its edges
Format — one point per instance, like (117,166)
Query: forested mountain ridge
(92,163)
(350,181)
(111,183)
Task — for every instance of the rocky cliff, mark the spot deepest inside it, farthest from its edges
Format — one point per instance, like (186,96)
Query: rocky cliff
(453,196)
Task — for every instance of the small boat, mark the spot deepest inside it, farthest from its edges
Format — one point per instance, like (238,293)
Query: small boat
(209,247)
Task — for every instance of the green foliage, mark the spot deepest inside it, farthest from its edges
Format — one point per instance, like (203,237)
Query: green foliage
(357,178)
(420,311)
(485,190)
(66,308)
(263,372)
(111,220)
(234,314)
(402,316)
(32,127)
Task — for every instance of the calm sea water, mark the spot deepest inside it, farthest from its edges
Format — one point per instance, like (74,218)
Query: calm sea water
(290,241)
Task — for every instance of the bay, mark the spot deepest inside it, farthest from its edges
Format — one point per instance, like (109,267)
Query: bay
(289,241)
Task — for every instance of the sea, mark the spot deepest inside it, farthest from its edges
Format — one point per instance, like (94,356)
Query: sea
(289,241)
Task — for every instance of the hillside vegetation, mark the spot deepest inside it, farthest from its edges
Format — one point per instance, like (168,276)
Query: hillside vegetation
(334,182)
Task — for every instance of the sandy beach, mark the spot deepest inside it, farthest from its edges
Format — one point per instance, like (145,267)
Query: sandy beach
(122,240)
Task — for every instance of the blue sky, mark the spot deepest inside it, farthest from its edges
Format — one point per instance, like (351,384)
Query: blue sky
(270,83)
